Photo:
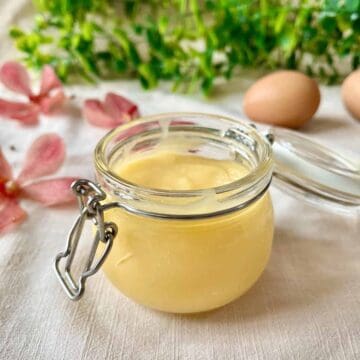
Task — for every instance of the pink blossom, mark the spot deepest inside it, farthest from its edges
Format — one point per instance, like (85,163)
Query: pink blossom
(113,111)
(49,98)
(44,157)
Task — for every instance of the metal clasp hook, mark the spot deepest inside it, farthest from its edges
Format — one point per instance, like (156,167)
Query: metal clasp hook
(89,196)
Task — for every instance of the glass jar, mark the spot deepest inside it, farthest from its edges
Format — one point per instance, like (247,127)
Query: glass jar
(194,250)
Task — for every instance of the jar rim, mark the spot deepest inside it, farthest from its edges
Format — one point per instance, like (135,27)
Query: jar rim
(261,173)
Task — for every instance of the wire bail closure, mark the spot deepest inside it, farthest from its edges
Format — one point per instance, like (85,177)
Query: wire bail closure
(89,196)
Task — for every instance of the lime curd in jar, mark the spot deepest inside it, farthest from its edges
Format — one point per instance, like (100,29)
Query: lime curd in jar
(205,254)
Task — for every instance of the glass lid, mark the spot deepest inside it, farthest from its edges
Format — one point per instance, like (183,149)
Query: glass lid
(302,167)
(315,172)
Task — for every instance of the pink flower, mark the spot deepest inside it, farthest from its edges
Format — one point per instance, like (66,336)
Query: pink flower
(113,111)
(49,98)
(45,156)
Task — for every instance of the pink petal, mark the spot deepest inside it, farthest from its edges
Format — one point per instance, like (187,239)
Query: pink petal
(95,114)
(15,77)
(180,122)
(45,156)
(51,192)
(11,214)
(120,109)
(52,103)
(5,168)
(26,113)
(133,130)
(49,81)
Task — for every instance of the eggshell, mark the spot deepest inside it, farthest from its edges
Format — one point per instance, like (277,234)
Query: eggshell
(350,92)
(284,98)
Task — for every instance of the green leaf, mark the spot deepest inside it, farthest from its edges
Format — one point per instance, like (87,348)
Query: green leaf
(328,22)
(62,69)
(288,41)
(120,65)
(76,41)
(321,46)
(16,32)
(281,20)
(332,5)
(343,23)
(206,85)
(87,30)
(163,24)
(28,43)
(127,45)
(87,64)
(148,77)
(355,62)
(40,22)
(352,5)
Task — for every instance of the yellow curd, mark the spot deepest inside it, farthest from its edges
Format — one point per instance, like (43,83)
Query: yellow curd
(187,265)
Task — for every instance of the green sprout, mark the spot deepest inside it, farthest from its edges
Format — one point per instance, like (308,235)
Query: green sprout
(192,43)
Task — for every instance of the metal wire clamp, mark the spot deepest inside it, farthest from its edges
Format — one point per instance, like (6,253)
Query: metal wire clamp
(89,196)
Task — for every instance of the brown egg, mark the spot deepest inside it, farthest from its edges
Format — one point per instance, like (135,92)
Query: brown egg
(283,98)
(350,92)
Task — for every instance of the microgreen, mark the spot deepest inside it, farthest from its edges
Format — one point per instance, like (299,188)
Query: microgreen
(191,42)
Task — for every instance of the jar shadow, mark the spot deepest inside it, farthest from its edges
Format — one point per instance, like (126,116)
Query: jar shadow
(325,124)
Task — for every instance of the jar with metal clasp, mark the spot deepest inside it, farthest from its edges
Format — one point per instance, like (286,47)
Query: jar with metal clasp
(192,250)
